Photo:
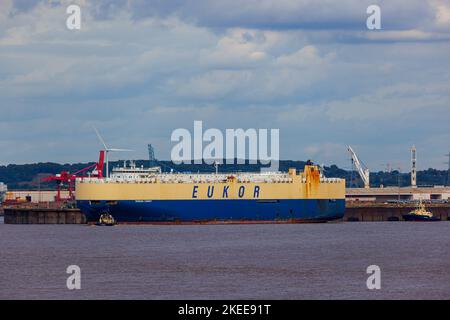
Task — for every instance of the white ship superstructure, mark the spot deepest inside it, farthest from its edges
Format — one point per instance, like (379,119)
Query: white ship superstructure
(132,173)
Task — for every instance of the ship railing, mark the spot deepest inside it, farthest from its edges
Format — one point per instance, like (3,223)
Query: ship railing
(330,180)
(210,179)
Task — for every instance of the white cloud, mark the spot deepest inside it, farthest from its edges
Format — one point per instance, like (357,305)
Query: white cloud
(238,47)
(442,11)
(306,57)
(406,35)
(393,101)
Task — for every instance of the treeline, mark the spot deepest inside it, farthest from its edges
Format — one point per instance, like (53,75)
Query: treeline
(29,176)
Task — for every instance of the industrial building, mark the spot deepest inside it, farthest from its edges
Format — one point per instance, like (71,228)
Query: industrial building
(34,196)
(383,194)
(437,193)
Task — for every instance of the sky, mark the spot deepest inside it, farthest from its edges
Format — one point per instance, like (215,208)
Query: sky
(138,70)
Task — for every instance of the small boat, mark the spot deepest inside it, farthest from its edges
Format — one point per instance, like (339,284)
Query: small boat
(106,220)
(420,214)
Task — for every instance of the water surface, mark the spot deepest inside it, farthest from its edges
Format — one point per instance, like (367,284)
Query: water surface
(295,261)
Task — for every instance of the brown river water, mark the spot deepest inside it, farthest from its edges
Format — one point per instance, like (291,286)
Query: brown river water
(286,261)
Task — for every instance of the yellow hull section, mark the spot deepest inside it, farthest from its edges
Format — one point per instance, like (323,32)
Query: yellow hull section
(304,186)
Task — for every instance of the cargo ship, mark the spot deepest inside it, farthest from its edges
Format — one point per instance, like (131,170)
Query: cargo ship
(146,195)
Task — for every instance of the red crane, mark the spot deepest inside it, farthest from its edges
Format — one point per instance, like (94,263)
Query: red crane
(69,178)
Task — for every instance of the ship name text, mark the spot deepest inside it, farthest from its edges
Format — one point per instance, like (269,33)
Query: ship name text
(225,192)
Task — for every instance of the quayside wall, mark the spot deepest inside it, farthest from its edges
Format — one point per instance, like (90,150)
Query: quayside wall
(43,216)
(355,211)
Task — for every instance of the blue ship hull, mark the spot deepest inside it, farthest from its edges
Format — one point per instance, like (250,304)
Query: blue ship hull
(204,211)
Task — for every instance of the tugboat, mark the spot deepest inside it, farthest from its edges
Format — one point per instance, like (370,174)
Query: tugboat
(106,220)
(420,214)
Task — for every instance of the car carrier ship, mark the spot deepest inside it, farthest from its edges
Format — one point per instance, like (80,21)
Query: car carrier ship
(146,195)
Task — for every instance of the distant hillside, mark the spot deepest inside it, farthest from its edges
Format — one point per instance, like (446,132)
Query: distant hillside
(28,176)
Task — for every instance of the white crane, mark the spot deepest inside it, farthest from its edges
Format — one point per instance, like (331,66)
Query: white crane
(108,150)
(362,169)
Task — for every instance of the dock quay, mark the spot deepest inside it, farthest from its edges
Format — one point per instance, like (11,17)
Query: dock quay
(376,211)
(355,211)
(35,215)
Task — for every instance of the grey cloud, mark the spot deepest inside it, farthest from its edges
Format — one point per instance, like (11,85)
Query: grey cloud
(267,14)
(288,14)
(312,73)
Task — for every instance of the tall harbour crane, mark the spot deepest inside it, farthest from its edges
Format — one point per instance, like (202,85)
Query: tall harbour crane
(413,167)
(362,169)
(67,178)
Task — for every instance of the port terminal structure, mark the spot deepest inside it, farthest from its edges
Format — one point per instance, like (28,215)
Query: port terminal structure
(364,211)
(374,204)
(362,204)
(395,194)
(364,171)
